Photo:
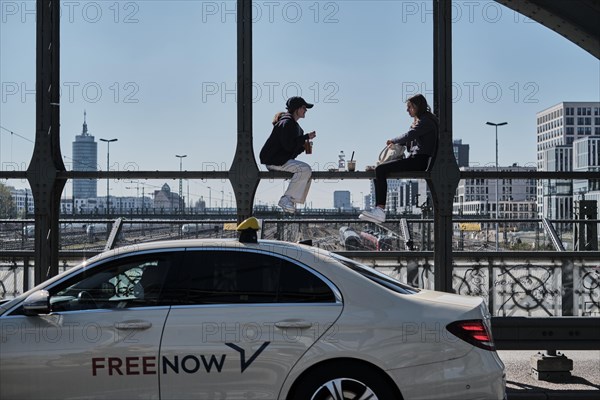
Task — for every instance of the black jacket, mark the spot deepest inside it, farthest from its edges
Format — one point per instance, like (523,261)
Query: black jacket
(422,137)
(285,143)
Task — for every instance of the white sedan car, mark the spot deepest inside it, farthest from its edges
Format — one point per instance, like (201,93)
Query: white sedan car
(220,319)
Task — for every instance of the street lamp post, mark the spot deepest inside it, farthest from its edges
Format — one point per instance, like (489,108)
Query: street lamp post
(108,142)
(181,182)
(497,209)
(209,197)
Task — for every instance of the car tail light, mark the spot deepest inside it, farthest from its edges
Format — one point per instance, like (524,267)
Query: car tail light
(473,331)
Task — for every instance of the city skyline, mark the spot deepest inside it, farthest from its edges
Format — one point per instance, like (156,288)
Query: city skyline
(568,132)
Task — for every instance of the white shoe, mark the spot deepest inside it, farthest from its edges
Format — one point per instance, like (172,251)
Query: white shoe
(287,204)
(376,215)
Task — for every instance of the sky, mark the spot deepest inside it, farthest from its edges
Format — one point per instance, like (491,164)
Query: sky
(160,77)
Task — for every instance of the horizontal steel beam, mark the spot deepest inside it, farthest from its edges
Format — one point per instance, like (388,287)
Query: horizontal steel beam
(144,175)
(529,256)
(13,174)
(187,218)
(551,333)
(155,219)
(567,175)
(530,174)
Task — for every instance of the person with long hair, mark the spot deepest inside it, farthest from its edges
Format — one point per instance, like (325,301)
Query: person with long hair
(421,139)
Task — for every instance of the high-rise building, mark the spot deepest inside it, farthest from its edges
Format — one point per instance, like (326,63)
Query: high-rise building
(367,201)
(391,202)
(586,157)
(341,200)
(558,127)
(407,197)
(556,199)
(461,153)
(85,158)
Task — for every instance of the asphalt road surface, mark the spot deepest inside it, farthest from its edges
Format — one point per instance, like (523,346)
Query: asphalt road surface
(584,382)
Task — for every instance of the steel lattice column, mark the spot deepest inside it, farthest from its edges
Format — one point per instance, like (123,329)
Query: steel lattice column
(47,159)
(445,174)
(243,174)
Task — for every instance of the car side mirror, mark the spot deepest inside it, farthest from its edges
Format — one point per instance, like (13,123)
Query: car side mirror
(37,303)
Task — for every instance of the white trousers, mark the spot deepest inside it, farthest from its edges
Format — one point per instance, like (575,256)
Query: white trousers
(300,182)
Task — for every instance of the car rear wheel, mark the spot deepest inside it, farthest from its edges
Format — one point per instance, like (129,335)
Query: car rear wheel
(335,382)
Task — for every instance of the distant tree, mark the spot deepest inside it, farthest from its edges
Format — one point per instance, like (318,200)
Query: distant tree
(7,205)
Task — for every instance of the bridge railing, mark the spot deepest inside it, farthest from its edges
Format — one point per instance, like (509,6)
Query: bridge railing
(540,284)
(513,283)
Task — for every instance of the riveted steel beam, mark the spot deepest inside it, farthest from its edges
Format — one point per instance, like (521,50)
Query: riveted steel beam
(46,160)
(243,174)
(315,175)
(445,175)
(576,20)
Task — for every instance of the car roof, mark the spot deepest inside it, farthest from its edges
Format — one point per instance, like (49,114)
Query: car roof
(273,246)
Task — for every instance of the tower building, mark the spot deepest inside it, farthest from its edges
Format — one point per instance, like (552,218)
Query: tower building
(461,153)
(85,158)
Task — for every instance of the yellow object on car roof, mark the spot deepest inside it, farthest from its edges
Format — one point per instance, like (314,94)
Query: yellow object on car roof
(250,223)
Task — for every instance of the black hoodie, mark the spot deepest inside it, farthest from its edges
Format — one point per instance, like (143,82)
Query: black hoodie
(285,143)
(422,136)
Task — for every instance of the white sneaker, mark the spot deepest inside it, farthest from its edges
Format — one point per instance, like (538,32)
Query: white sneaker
(376,215)
(287,204)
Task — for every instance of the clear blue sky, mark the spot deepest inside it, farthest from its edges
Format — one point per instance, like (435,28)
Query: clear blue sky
(160,77)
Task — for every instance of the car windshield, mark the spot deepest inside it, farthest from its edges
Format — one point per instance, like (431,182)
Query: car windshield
(376,276)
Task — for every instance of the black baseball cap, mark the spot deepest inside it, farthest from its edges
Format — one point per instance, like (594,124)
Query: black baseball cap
(294,103)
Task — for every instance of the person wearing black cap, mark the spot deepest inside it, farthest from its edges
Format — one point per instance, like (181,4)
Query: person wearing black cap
(282,147)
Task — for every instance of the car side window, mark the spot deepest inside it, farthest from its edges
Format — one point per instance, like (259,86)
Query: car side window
(243,277)
(135,282)
(297,285)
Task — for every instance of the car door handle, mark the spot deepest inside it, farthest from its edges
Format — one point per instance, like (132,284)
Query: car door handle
(139,325)
(293,323)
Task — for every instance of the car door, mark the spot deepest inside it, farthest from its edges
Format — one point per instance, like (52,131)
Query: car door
(100,341)
(240,320)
